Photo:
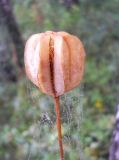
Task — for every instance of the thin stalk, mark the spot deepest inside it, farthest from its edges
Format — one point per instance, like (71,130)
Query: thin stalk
(58,121)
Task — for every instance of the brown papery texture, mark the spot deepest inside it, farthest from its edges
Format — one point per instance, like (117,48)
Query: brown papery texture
(54,61)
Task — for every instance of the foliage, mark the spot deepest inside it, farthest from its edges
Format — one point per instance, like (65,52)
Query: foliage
(97,24)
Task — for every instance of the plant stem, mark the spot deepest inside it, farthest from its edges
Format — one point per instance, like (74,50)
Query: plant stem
(58,121)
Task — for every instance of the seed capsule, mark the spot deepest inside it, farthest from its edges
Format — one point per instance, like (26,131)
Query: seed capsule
(54,61)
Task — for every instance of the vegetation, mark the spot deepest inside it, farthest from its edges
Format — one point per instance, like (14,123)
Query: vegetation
(25,127)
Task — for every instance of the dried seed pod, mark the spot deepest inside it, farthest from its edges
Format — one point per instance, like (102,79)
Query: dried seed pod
(54,61)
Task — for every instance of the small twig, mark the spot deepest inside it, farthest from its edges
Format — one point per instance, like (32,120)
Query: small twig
(58,121)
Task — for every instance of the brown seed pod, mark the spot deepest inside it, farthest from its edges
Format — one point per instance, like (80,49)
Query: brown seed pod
(54,61)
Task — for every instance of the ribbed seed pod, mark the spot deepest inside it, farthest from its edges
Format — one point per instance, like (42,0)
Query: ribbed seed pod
(54,61)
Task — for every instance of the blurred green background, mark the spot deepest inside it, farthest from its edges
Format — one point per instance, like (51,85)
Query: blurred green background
(96,23)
